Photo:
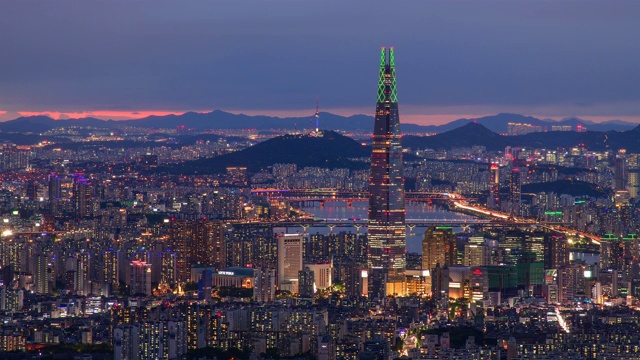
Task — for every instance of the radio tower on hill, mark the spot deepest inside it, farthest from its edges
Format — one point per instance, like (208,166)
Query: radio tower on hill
(316,116)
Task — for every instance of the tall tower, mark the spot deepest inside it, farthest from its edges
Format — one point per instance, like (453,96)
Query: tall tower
(620,170)
(386,223)
(515,191)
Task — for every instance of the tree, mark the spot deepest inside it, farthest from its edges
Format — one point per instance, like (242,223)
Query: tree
(190,286)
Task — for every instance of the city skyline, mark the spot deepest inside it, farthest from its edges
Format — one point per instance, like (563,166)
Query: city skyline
(545,59)
(214,235)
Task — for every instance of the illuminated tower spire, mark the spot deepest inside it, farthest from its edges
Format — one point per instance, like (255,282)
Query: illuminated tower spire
(386,220)
(317,116)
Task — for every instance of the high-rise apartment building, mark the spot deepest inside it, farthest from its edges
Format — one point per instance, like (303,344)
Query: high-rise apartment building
(55,195)
(306,282)
(199,242)
(110,267)
(633,182)
(82,196)
(494,187)
(140,278)
(556,251)
(41,274)
(386,220)
(82,267)
(13,157)
(264,285)
(207,245)
(515,191)
(620,170)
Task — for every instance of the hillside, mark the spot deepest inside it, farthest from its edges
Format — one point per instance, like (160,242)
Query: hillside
(466,136)
(332,150)
(476,134)
(570,187)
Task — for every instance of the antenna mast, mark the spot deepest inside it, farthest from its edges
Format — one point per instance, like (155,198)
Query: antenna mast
(317,115)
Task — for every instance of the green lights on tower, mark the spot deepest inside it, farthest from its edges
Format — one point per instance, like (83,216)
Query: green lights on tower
(387,70)
(394,88)
(383,61)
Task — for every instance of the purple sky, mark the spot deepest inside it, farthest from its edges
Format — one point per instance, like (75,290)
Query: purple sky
(454,58)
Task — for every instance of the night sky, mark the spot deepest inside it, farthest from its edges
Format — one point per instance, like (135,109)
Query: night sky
(118,59)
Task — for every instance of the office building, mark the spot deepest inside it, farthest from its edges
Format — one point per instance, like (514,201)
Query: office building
(289,261)
(438,247)
(477,255)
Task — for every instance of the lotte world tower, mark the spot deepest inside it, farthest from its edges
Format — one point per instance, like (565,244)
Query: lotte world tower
(386,217)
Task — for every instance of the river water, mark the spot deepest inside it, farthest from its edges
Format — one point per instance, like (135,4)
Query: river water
(415,211)
(358,210)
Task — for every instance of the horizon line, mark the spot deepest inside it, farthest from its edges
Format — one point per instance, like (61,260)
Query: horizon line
(415,119)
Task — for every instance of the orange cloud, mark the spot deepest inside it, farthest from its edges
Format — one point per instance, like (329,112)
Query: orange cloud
(100,114)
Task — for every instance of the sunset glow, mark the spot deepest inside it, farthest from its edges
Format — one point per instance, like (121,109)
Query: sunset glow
(100,114)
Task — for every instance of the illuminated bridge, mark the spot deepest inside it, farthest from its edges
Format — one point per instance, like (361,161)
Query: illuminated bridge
(411,223)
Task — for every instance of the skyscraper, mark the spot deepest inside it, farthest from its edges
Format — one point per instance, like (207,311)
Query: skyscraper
(82,196)
(494,187)
(55,194)
(386,222)
(620,170)
(515,191)
(41,276)
(438,248)
(289,261)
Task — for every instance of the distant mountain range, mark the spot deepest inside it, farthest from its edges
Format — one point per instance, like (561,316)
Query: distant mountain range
(223,120)
(476,134)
